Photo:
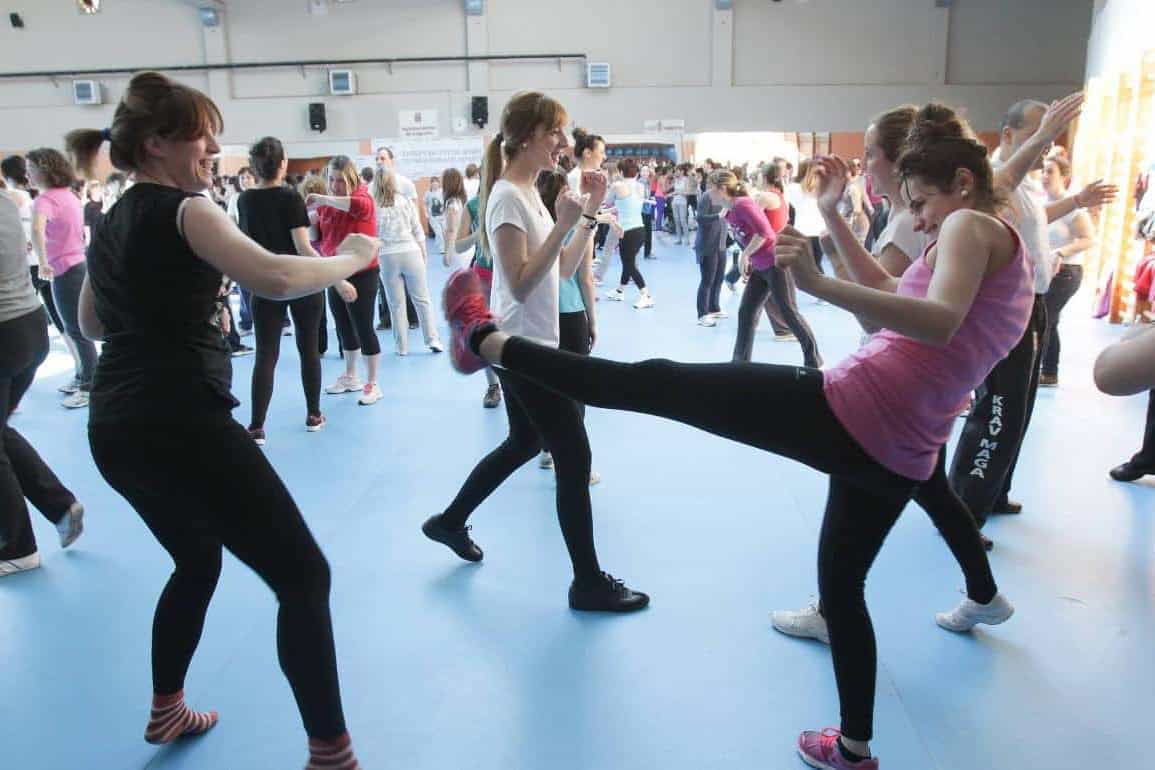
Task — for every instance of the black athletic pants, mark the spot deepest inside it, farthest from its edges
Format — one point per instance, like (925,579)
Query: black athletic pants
(269,321)
(1064,286)
(1145,457)
(989,445)
(44,289)
(540,419)
(354,320)
(712,266)
(760,286)
(629,246)
(23,347)
(648,224)
(202,486)
(793,420)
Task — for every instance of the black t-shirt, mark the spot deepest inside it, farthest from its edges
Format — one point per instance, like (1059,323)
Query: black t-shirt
(164,358)
(93,215)
(269,214)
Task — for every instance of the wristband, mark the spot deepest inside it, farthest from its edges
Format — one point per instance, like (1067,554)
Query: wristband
(591,225)
(589,217)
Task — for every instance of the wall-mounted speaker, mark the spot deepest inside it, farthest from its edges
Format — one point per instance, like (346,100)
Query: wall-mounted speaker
(317,116)
(480,111)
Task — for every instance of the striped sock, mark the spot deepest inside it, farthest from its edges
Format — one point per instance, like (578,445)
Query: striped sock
(336,754)
(171,718)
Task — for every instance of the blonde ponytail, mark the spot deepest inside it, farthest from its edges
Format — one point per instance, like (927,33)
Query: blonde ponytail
(491,169)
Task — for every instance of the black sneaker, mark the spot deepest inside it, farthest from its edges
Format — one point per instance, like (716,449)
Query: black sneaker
(242,350)
(458,540)
(606,594)
(1130,471)
(1007,507)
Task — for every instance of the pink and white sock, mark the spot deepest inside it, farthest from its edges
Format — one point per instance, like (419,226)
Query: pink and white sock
(171,718)
(336,754)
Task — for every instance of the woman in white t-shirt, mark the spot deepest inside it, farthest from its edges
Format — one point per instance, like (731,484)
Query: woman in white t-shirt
(1070,237)
(403,261)
(454,197)
(528,263)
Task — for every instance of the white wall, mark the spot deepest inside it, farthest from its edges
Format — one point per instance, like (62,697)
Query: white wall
(1122,30)
(821,65)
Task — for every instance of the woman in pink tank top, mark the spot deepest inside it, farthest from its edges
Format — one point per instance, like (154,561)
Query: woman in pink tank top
(875,423)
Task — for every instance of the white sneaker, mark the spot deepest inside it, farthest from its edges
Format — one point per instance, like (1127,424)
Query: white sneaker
(617,295)
(370,395)
(787,337)
(72,525)
(23,564)
(644,301)
(344,384)
(707,320)
(77,400)
(970,613)
(545,461)
(436,347)
(595,478)
(402,353)
(806,623)
(720,314)
(70,387)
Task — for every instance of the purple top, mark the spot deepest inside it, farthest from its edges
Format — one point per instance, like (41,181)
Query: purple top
(746,219)
(898,397)
(64,232)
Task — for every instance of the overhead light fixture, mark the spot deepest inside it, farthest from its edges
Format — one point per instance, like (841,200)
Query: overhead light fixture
(210,17)
(88,7)
(474,7)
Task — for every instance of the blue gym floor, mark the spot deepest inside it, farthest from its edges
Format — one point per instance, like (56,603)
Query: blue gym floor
(446,665)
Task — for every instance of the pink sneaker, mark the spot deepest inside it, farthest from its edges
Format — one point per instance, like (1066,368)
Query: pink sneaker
(465,308)
(820,750)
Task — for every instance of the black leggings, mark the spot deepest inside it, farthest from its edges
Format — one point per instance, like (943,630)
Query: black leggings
(23,347)
(575,337)
(711,265)
(44,289)
(1064,286)
(794,420)
(762,285)
(269,321)
(648,225)
(630,244)
(540,419)
(354,320)
(202,486)
(988,447)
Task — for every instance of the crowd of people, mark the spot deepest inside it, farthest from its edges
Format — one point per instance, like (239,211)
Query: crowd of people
(955,262)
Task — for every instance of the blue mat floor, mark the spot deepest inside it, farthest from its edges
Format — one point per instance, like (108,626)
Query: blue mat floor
(446,665)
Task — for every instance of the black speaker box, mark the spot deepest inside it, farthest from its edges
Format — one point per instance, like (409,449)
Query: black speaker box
(480,111)
(317,116)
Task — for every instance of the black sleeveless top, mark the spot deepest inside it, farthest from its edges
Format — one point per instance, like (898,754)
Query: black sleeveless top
(164,357)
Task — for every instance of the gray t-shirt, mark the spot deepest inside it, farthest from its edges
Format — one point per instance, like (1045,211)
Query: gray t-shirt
(17,297)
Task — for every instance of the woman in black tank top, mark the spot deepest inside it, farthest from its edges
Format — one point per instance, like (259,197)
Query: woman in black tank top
(160,426)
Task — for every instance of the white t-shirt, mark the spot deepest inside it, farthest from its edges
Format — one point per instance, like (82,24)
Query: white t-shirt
(23,203)
(405,186)
(807,218)
(1059,235)
(899,231)
(471,187)
(537,317)
(398,227)
(1027,212)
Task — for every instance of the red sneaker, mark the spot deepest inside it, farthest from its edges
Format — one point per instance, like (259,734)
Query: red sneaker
(820,750)
(465,308)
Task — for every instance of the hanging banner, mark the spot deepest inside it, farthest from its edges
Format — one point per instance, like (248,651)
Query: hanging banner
(429,157)
(418,124)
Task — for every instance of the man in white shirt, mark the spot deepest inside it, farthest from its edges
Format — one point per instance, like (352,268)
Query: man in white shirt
(988,450)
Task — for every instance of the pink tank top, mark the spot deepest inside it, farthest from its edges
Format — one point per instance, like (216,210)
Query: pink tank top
(899,397)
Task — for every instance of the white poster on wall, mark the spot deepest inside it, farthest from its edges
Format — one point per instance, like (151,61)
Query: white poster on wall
(418,124)
(429,157)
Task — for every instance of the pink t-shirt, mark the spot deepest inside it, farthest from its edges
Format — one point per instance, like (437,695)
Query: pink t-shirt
(899,397)
(64,232)
(747,220)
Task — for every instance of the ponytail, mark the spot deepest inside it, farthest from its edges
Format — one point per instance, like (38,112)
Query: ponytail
(491,168)
(83,144)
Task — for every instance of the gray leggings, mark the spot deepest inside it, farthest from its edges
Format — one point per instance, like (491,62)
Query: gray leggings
(66,294)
